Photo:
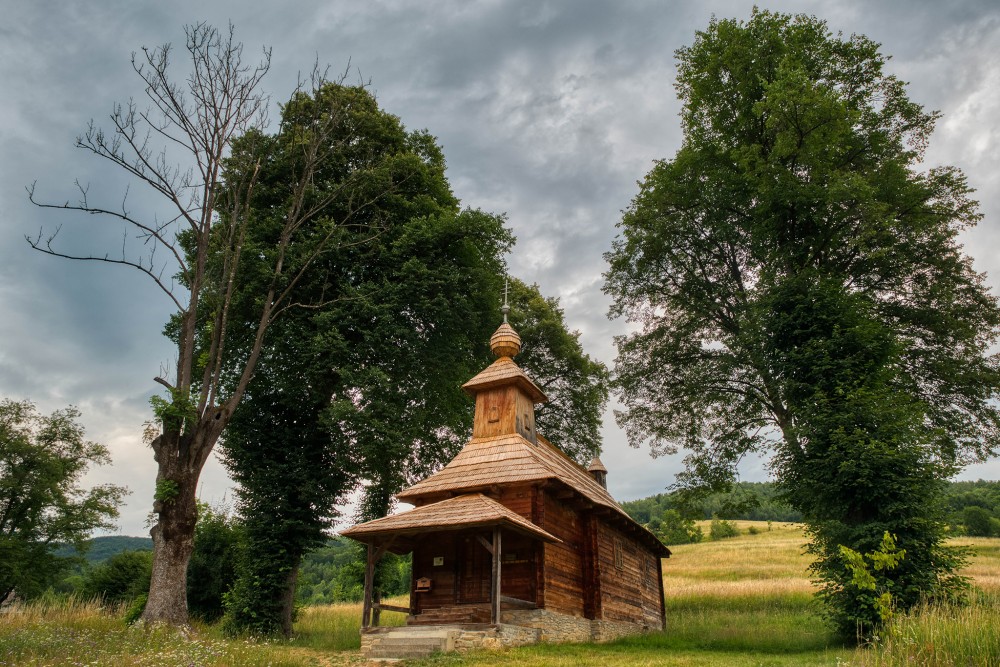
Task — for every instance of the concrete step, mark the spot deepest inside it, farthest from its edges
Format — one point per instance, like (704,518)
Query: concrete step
(410,631)
(407,647)
(410,642)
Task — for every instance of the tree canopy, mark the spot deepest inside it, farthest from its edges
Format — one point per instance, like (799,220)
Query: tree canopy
(43,459)
(798,286)
(361,384)
(365,387)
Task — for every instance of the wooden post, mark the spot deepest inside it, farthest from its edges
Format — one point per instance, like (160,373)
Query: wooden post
(369,584)
(495,587)
(376,607)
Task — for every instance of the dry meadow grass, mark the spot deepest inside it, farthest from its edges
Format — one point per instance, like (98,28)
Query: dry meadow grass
(744,601)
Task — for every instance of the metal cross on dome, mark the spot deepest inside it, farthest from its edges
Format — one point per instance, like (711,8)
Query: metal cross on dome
(506,307)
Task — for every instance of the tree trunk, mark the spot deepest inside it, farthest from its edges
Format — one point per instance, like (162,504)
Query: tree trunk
(288,599)
(180,459)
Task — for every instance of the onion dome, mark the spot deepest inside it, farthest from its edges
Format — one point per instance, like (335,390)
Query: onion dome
(505,342)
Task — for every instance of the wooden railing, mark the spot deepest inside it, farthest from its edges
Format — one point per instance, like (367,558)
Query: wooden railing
(378,607)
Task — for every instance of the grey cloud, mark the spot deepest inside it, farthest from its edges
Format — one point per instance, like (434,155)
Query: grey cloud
(548,111)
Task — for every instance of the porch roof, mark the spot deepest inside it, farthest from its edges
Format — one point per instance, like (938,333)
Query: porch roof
(471,510)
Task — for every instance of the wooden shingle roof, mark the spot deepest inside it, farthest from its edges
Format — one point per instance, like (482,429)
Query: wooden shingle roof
(506,459)
(465,511)
(504,371)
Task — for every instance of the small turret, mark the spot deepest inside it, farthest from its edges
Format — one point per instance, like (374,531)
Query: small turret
(598,472)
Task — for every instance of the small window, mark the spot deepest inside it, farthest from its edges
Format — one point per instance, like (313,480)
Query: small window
(619,554)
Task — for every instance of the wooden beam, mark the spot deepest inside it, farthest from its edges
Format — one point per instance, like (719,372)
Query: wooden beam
(389,607)
(485,543)
(517,603)
(495,592)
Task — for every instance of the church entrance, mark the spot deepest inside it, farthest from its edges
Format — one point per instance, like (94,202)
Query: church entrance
(476,566)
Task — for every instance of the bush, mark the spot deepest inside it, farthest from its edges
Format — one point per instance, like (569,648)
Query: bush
(121,578)
(721,529)
(212,569)
(672,528)
(978,521)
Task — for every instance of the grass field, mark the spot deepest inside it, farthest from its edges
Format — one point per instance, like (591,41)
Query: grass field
(742,601)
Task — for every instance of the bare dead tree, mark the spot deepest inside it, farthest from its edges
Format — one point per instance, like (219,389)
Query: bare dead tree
(219,101)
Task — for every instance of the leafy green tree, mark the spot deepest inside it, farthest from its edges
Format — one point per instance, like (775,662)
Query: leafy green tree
(673,528)
(366,385)
(121,578)
(720,529)
(42,506)
(977,521)
(798,287)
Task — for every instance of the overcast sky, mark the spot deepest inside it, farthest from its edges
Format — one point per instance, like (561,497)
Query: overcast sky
(547,111)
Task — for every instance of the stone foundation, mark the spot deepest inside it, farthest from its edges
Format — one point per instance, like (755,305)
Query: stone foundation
(555,628)
(517,628)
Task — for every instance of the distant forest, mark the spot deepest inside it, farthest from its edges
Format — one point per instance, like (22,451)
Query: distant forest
(335,571)
(971,508)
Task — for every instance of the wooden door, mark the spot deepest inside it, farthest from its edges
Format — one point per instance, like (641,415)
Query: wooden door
(474,572)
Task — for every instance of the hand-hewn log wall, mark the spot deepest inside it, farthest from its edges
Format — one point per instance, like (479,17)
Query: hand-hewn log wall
(444,578)
(631,588)
(564,562)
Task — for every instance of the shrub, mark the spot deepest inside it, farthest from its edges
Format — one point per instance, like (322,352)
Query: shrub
(121,578)
(672,528)
(212,569)
(721,529)
(978,521)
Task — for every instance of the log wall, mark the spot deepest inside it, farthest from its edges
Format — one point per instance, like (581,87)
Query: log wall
(444,578)
(563,572)
(630,582)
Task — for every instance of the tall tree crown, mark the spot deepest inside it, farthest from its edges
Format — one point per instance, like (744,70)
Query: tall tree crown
(800,154)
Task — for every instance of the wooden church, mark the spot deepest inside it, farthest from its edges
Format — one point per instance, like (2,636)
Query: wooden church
(512,532)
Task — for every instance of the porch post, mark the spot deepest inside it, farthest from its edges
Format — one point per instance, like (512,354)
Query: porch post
(495,587)
(369,584)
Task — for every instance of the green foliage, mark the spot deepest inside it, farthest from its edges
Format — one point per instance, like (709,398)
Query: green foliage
(42,461)
(121,578)
(977,521)
(721,529)
(218,538)
(672,528)
(862,602)
(576,385)
(335,572)
(799,288)
(166,490)
(98,549)
(176,414)
(135,609)
(366,385)
(749,501)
